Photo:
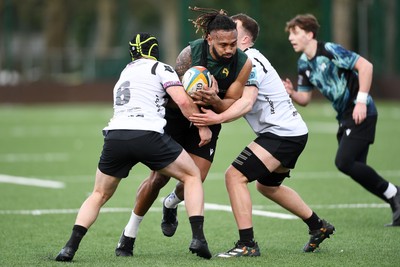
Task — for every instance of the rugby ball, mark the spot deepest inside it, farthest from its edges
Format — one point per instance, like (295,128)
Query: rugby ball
(195,78)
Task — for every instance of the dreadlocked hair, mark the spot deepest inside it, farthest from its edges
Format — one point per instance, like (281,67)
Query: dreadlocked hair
(212,19)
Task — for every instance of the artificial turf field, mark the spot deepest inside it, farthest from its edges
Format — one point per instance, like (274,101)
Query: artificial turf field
(48,158)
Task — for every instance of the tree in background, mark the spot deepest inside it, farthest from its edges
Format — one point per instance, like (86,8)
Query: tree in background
(75,40)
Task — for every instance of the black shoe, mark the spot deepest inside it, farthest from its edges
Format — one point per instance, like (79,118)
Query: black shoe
(200,247)
(395,206)
(66,254)
(319,235)
(241,250)
(125,246)
(169,221)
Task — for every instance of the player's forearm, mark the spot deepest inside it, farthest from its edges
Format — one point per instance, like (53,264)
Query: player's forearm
(188,109)
(365,78)
(236,110)
(365,72)
(222,105)
(300,98)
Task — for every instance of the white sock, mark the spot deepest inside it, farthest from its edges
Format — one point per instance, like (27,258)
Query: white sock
(132,228)
(390,191)
(172,201)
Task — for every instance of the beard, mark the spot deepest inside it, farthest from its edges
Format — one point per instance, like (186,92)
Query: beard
(221,59)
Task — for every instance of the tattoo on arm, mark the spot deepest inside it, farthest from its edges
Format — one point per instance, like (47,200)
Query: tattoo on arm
(183,61)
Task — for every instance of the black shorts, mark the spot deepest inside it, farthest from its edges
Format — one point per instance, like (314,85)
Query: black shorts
(187,135)
(123,149)
(285,149)
(364,131)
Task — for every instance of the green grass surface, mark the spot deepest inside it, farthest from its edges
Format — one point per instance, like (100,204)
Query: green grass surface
(63,143)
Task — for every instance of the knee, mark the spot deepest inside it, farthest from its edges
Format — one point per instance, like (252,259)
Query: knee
(157,180)
(233,176)
(101,196)
(343,165)
(266,190)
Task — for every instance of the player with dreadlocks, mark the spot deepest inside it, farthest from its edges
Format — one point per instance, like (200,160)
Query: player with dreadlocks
(230,67)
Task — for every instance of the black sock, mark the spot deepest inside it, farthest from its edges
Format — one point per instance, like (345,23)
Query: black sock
(196,222)
(314,222)
(78,232)
(246,237)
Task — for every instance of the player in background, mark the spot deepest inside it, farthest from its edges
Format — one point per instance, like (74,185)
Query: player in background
(217,51)
(344,78)
(281,138)
(135,134)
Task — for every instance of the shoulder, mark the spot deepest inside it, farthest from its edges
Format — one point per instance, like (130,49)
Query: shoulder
(196,42)
(242,56)
(330,45)
(337,49)
(343,57)
(254,53)
(161,69)
(185,51)
(161,66)
(196,48)
(259,60)
(183,61)
(243,61)
(156,67)
(302,60)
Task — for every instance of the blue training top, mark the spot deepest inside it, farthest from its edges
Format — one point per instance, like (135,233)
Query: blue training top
(331,72)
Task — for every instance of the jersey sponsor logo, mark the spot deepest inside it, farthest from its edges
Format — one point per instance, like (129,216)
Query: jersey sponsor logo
(300,79)
(168,68)
(271,104)
(252,74)
(225,71)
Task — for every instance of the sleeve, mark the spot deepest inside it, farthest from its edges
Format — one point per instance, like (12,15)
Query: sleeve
(303,71)
(168,76)
(252,80)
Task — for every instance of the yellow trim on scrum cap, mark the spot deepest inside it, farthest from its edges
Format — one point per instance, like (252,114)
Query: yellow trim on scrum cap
(138,44)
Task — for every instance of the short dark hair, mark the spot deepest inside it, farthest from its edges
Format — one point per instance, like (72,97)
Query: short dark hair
(212,19)
(249,24)
(306,22)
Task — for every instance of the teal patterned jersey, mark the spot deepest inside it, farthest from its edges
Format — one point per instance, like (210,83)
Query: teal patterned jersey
(331,72)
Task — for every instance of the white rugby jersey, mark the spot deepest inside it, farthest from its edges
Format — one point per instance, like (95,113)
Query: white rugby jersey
(273,111)
(140,96)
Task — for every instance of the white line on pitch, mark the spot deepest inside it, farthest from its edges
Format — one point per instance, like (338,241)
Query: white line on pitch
(30,181)
(210,206)
(207,206)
